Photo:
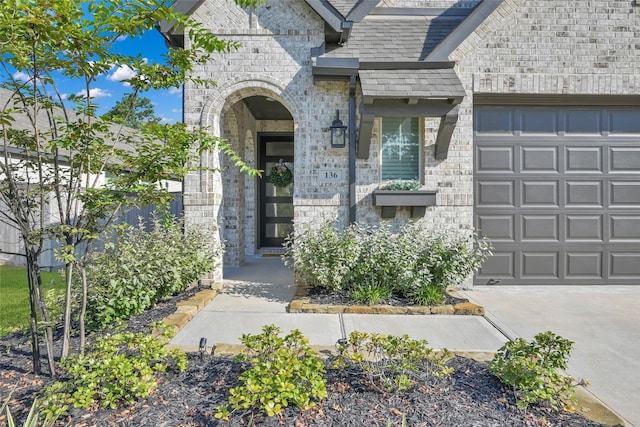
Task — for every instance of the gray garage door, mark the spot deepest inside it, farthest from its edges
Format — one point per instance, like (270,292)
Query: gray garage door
(557,189)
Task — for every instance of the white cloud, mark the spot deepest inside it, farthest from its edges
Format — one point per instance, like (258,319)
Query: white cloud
(176,110)
(64,96)
(165,120)
(123,72)
(95,93)
(175,91)
(19,75)
(121,38)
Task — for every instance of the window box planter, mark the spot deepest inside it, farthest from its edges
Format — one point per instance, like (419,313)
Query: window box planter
(417,200)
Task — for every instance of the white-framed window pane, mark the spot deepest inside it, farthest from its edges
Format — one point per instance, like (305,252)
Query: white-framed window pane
(400,148)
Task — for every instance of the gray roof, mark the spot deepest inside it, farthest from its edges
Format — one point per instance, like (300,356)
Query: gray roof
(343,6)
(395,38)
(21,120)
(421,83)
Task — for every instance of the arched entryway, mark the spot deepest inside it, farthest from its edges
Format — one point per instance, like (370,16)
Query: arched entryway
(255,215)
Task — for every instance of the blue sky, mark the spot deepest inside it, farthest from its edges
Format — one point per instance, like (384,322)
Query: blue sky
(109,88)
(167,103)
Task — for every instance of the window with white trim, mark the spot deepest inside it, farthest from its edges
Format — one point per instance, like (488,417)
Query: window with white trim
(400,157)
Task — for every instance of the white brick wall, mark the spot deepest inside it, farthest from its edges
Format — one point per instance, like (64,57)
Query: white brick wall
(525,47)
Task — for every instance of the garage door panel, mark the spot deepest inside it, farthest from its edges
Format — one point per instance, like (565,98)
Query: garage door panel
(583,193)
(540,228)
(497,227)
(539,265)
(495,120)
(583,159)
(584,121)
(539,159)
(583,265)
(493,159)
(584,228)
(495,193)
(501,265)
(539,193)
(624,264)
(624,159)
(538,120)
(624,194)
(624,121)
(625,227)
(557,190)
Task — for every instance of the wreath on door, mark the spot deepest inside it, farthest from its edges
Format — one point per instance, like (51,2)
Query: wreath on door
(281,175)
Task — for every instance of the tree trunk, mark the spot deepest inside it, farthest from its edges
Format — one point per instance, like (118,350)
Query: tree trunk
(46,327)
(33,321)
(66,330)
(83,308)
(38,306)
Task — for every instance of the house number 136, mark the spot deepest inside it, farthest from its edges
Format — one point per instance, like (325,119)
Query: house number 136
(329,175)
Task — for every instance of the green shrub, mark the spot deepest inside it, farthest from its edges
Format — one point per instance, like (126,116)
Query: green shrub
(32,418)
(284,371)
(369,293)
(118,369)
(391,362)
(323,255)
(411,185)
(533,370)
(413,262)
(137,269)
(427,295)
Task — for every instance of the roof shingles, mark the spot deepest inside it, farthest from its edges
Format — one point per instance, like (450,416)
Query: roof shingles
(395,39)
(423,83)
(343,6)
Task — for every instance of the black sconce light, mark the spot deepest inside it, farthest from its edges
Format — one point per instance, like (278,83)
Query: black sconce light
(338,132)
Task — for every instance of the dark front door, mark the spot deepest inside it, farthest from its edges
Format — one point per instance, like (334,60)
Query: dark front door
(276,203)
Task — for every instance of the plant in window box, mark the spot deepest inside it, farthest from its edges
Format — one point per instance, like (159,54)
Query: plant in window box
(403,193)
(281,175)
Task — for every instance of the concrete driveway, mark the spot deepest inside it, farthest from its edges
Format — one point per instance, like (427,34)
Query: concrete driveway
(603,321)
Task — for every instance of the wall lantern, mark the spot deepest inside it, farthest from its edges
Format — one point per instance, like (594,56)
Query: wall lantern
(338,132)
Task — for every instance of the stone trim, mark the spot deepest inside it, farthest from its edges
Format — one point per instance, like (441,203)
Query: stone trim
(302,304)
(226,32)
(588,84)
(185,310)
(232,91)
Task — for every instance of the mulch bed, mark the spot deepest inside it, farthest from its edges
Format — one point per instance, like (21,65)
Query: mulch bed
(324,296)
(470,397)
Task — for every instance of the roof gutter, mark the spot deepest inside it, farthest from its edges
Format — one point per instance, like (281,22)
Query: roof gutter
(174,36)
(324,68)
(331,16)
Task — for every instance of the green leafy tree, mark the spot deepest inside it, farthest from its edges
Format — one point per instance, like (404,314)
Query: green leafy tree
(56,151)
(132,111)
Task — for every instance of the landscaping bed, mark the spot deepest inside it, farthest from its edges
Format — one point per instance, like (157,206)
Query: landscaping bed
(322,300)
(470,396)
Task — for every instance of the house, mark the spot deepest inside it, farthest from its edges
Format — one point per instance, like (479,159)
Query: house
(11,242)
(522,117)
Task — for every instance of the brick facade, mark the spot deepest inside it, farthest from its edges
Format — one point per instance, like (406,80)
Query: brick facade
(524,47)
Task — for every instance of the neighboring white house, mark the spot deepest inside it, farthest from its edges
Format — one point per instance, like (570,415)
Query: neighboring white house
(11,245)
(523,117)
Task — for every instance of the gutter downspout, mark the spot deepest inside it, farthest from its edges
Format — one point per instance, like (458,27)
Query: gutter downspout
(352,149)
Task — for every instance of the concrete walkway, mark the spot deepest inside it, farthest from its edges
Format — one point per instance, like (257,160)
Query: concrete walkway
(258,294)
(603,322)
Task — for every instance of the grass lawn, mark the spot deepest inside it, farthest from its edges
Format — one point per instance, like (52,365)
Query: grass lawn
(14,296)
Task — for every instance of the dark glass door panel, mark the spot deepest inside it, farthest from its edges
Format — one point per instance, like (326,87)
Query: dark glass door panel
(276,203)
